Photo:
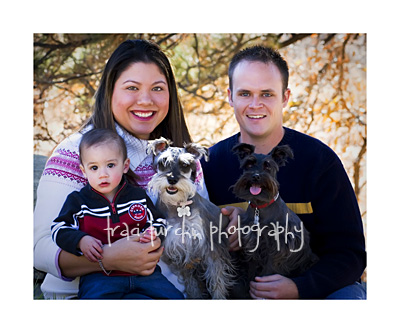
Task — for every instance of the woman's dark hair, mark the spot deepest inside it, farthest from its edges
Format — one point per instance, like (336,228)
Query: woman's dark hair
(129,52)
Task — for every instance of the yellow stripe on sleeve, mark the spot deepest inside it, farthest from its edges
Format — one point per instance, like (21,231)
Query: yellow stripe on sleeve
(300,208)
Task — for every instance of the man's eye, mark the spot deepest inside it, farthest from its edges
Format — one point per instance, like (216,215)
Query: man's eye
(244,94)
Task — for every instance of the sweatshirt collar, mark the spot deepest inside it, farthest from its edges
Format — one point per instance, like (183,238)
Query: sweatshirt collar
(136,148)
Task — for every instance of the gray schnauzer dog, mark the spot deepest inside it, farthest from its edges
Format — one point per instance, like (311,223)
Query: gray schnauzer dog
(192,248)
(274,239)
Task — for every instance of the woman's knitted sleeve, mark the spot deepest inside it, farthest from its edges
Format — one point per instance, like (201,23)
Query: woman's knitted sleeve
(60,177)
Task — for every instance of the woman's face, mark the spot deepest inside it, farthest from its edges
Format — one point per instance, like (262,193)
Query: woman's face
(140,99)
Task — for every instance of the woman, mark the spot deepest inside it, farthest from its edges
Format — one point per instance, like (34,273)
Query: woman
(137,97)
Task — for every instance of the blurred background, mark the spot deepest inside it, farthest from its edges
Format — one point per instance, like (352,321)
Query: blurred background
(327,80)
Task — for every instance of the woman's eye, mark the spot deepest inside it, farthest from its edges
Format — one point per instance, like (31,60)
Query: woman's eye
(132,88)
(157,89)
(110,165)
(94,168)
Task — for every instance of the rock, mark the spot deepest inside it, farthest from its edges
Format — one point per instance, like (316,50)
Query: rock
(39,162)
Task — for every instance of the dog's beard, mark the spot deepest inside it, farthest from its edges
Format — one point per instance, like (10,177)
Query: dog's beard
(159,185)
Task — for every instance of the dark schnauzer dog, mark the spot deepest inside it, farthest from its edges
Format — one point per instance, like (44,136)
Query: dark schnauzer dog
(192,249)
(274,239)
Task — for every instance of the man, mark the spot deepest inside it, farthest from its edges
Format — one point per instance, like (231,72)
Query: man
(314,184)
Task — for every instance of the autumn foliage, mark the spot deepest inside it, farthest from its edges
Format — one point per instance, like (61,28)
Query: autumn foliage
(327,81)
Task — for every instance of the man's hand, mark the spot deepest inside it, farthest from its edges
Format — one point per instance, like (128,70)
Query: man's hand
(273,287)
(232,213)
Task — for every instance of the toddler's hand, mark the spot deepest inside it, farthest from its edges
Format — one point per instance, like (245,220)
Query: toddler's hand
(91,248)
(148,235)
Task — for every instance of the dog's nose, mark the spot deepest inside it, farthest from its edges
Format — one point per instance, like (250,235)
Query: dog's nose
(172,180)
(256,177)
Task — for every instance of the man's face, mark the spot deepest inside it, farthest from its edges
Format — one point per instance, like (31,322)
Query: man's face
(257,99)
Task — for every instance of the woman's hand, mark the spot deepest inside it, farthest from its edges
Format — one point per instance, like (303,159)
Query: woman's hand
(132,256)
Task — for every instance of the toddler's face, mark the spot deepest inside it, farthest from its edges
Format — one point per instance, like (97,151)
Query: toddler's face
(103,165)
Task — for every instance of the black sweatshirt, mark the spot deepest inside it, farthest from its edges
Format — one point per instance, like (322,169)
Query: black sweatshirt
(88,212)
(315,186)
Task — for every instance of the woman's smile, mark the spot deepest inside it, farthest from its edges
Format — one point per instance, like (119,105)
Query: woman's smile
(143,115)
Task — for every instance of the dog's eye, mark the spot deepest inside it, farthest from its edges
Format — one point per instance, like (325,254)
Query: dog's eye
(267,166)
(184,165)
(162,165)
(249,165)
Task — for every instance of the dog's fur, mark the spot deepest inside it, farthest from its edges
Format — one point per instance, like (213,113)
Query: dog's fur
(263,253)
(202,264)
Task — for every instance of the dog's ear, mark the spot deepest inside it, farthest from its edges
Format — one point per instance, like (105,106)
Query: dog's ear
(196,150)
(243,150)
(157,146)
(280,154)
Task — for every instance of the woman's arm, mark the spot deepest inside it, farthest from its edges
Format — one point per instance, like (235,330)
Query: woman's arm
(124,255)
(50,198)
(72,266)
(61,176)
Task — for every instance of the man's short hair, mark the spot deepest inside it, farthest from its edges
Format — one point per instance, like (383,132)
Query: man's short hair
(263,54)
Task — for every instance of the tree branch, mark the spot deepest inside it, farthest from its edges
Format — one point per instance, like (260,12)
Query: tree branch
(77,76)
(293,39)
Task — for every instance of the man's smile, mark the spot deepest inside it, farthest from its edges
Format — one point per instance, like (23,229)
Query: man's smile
(256,116)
